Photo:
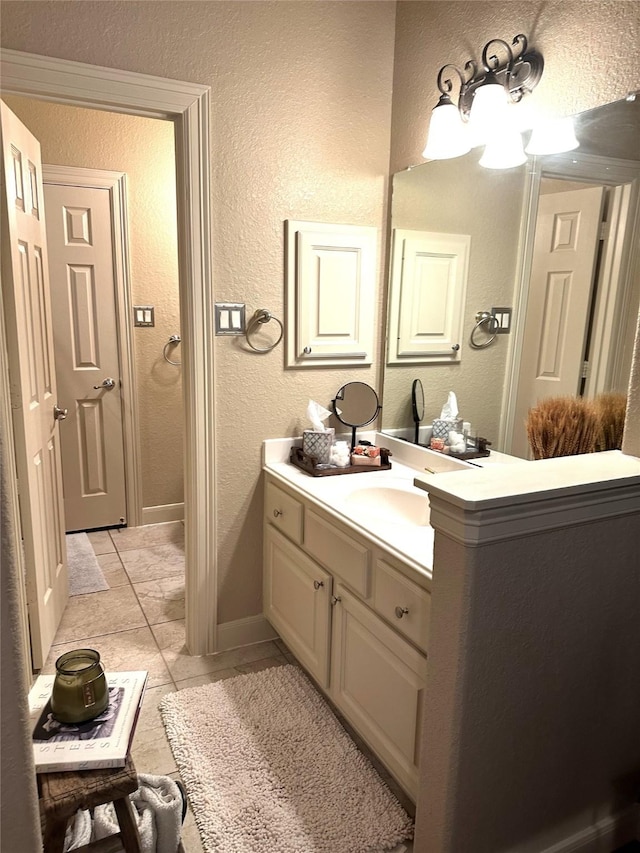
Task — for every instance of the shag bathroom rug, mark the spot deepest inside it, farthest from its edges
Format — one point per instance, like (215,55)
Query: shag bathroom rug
(85,575)
(269,769)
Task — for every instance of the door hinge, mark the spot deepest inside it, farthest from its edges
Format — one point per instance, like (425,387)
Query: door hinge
(585,369)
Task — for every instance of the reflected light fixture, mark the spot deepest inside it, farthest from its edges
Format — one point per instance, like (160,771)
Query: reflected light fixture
(553,136)
(486,98)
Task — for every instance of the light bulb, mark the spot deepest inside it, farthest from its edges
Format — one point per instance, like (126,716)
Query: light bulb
(447,137)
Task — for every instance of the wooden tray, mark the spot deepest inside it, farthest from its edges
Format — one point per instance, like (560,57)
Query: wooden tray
(309,464)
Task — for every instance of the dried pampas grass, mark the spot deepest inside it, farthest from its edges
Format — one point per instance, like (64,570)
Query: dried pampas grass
(567,426)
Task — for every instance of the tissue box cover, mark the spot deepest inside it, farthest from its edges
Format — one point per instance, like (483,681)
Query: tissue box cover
(318,444)
(442,427)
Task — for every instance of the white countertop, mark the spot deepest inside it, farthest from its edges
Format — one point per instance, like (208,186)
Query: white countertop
(526,482)
(411,543)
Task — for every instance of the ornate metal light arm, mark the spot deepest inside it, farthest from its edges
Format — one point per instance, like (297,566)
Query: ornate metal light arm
(518,73)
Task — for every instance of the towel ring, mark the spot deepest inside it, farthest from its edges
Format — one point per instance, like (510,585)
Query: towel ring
(260,317)
(483,318)
(173,341)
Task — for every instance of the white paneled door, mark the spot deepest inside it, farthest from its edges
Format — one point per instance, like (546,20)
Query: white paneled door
(559,305)
(81,262)
(36,414)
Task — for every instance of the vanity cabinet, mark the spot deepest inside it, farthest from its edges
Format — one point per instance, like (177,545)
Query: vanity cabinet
(354,620)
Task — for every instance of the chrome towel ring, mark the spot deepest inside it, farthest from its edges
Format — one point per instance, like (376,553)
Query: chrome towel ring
(173,341)
(261,317)
(484,318)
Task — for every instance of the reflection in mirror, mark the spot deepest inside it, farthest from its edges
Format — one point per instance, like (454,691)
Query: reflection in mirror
(417,407)
(498,210)
(355,405)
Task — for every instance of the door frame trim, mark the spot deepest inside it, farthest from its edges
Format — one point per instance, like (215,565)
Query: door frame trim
(188,106)
(116,185)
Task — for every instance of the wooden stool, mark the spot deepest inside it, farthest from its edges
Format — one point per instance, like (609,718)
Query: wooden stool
(65,792)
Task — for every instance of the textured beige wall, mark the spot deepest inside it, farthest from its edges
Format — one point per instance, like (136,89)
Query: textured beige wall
(144,149)
(460,197)
(590,54)
(300,121)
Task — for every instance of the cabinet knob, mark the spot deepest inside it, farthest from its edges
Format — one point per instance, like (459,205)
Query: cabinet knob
(400,611)
(307,350)
(335,599)
(318,584)
(277,512)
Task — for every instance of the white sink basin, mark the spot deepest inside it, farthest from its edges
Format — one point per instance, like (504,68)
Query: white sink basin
(390,505)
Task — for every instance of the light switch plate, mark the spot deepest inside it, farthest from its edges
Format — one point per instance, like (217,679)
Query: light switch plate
(143,315)
(230,318)
(503,318)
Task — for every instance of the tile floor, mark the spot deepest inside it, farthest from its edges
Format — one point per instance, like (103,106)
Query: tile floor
(139,624)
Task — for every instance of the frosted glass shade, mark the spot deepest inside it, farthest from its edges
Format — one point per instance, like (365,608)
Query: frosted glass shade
(448,136)
(504,151)
(553,137)
(489,112)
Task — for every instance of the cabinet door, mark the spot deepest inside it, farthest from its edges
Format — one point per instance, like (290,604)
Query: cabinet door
(296,602)
(377,681)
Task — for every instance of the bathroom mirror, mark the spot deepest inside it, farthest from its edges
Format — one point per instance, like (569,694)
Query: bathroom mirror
(355,405)
(417,407)
(498,210)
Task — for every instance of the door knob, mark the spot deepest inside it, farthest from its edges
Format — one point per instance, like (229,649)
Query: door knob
(59,414)
(107,383)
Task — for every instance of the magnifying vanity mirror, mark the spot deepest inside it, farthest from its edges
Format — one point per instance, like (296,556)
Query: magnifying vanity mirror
(571,328)
(355,405)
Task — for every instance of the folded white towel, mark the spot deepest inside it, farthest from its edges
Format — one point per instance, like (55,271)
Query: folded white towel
(157,806)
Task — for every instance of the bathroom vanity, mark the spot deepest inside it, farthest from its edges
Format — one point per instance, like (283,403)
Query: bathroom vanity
(347,574)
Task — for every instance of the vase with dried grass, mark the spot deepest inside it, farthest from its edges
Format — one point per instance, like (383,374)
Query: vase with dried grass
(567,426)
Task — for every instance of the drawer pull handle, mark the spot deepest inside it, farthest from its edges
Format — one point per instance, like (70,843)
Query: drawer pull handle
(400,611)
(335,599)
(318,584)
(277,512)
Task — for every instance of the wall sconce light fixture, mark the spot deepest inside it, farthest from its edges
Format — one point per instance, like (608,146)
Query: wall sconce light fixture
(484,113)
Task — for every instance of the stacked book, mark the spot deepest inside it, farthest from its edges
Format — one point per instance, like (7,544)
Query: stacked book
(102,742)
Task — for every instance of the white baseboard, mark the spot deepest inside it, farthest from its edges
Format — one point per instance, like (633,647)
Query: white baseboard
(244,632)
(163,513)
(603,836)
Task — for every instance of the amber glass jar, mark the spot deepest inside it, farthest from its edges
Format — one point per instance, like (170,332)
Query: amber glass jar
(80,689)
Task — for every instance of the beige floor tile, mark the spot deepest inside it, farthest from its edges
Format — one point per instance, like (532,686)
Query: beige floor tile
(130,538)
(112,569)
(282,646)
(120,652)
(151,752)
(259,665)
(150,717)
(153,562)
(162,600)
(207,678)
(190,835)
(101,541)
(170,637)
(100,613)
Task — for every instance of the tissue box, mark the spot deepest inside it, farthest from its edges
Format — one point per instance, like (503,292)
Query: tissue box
(318,444)
(442,427)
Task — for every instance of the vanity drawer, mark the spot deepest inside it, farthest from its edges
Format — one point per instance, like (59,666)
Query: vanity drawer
(402,603)
(340,554)
(284,511)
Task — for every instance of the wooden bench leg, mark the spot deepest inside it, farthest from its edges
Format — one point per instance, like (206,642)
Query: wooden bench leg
(54,835)
(128,826)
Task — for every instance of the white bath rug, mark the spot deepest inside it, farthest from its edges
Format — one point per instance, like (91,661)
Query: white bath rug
(269,769)
(85,575)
